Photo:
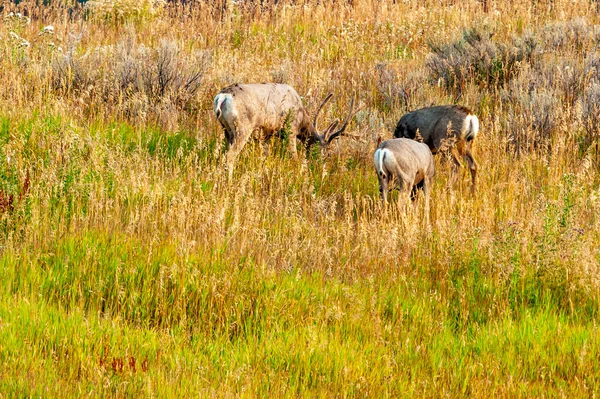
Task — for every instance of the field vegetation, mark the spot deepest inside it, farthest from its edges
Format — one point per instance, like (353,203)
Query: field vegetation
(132,266)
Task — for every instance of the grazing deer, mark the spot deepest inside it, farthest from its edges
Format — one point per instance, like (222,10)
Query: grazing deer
(436,124)
(244,108)
(409,161)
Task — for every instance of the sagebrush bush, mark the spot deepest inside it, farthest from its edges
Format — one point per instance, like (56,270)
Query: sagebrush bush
(281,74)
(565,36)
(565,78)
(478,59)
(591,115)
(533,107)
(391,93)
(71,74)
(132,79)
(560,86)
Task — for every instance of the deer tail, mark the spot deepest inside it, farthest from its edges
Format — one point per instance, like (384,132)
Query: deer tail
(220,99)
(471,127)
(379,160)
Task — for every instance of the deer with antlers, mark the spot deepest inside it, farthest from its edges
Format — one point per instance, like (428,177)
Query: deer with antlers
(243,109)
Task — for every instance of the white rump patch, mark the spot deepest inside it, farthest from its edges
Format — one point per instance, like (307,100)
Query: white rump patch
(379,159)
(220,99)
(470,127)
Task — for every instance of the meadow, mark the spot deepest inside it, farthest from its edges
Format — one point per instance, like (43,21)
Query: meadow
(132,266)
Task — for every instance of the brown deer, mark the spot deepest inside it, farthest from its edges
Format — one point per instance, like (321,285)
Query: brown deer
(409,161)
(435,124)
(243,109)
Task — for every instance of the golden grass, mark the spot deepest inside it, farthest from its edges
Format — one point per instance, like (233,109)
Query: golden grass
(293,279)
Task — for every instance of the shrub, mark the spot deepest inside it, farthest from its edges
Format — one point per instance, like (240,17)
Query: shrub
(476,57)
(394,90)
(568,35)
(389,90)
(163,78)
(532,115)
(565,78)
(133,80)
(70,74)
(591,114)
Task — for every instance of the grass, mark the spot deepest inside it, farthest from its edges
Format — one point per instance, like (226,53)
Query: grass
(207,326)
(133,266)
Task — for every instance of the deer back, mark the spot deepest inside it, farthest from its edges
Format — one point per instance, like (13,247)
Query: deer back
(267,105)
(433,123)
(411,157)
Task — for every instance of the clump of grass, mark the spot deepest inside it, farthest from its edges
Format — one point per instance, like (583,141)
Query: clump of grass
(123,11)
(16,21)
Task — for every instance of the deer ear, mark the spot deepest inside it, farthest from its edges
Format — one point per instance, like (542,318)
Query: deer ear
(379,141)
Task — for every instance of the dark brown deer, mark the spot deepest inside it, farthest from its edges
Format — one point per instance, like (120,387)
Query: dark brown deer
(446,122)
(243,109)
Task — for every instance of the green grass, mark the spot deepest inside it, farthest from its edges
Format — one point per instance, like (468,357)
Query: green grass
(131,295)
(202,324)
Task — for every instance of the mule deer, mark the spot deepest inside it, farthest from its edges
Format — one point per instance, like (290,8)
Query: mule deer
(245,108)
(409,161)
(436,124)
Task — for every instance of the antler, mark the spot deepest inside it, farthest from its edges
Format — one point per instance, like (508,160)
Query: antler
(330,128)
(319,110)
(333,136)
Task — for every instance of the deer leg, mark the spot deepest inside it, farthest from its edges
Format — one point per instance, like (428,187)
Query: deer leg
(426,186)
(426,189)
(472,165)
(415,189)
(399,183)
(404,185)
(229,133)
(292,144)
(229,139)
(455,165)
(235,148)
(383,186)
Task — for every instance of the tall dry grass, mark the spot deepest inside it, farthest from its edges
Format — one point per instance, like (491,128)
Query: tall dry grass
(133,266)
